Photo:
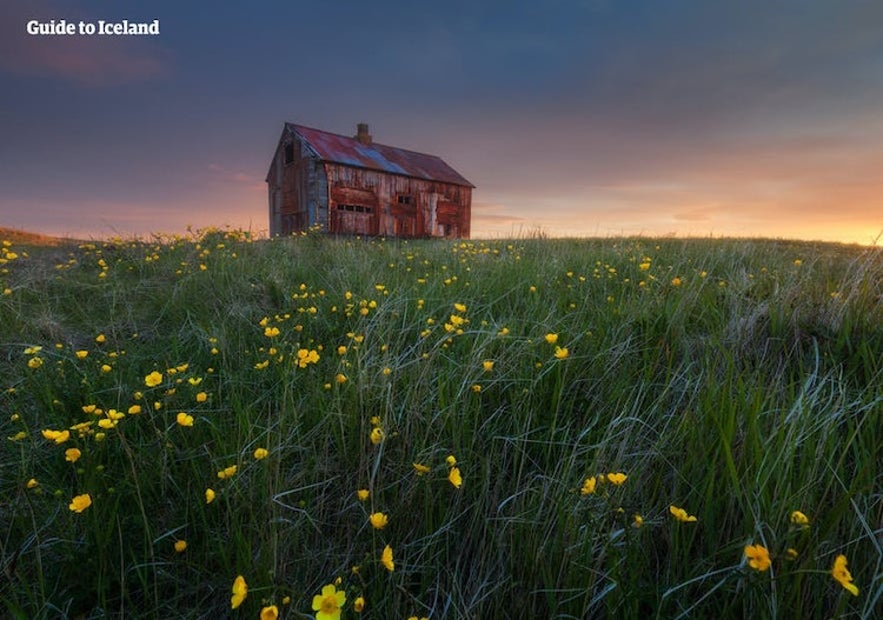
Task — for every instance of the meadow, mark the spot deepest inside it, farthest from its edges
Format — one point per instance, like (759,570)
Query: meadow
(209,426)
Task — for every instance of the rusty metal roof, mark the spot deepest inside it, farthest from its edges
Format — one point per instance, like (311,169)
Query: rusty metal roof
(339,149)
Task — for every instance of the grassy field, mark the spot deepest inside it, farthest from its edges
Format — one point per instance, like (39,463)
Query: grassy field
(530,428)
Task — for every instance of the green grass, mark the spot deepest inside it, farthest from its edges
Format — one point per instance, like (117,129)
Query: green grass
(738,379)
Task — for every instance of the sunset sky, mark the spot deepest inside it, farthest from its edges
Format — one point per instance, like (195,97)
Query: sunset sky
(572,117)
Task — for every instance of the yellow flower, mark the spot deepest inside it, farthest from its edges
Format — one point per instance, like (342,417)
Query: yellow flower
(100,338)
(185,419)
(758,557)
(460,308)
(328,603)
(260,453)
(676,281)
(639,520)
(455,478)
(134,409)
(377,435)
(240,591)
(105,368)
(551,338)
(589,485)
(359,605)
(72,454)
(340,378)
(341,350)
(209,496)
(58,437)
(271,612)
(81,354)
(616,479)
(451,460)
(32,483)
(35,362)
(791,553)
(420,468)
(386,559)
(180,546)
(378,520)
(227,472)
(487,365)
(153,379)
(681,515)
(561,353)
(840,573)
(201,397)
(362,495)
(80,503)
(799,519)
(271,332)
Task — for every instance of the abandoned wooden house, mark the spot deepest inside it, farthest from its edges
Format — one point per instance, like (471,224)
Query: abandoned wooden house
(342,185)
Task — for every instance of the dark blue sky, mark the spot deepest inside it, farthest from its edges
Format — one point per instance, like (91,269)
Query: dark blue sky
(592,117)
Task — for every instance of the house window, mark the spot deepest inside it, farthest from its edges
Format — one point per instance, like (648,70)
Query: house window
(405,199)
(354,208)
(289,153)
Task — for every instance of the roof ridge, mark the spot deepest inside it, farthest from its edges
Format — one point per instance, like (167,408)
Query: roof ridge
(373,143)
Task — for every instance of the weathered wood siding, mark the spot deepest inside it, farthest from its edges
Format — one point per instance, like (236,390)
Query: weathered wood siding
(371,202)
(297,190)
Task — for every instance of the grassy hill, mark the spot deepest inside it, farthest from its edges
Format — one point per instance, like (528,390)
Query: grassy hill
(501,429)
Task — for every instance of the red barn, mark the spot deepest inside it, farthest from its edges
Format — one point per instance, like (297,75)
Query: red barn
(352,185)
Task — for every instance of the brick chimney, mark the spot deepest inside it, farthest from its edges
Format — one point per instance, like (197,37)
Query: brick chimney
(362,134)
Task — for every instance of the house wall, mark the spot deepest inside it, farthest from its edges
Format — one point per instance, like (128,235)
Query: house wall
(370,202)
(297,189)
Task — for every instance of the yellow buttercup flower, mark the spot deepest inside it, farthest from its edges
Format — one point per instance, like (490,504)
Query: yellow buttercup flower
(153,379)
(377,435)
(616,479)
(328,603)
(589,485)
(271,332)
(840,573)
(451,460)
(455,478)
(359,605)
(362,495)
(72,455)
(681,515)
(180,546)
(638,520)
(758,557)
(386,559)
(209,496)
(487,365)
(240,591)
(185,419)
(551,338)
(271,612)
(420,468)
(378,520)
(260,453)
(80,503)
(227,472)
(561,353)
(799,519)
(58,437)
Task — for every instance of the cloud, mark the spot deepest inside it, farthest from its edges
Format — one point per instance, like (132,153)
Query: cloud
(93,60)
(222,174)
